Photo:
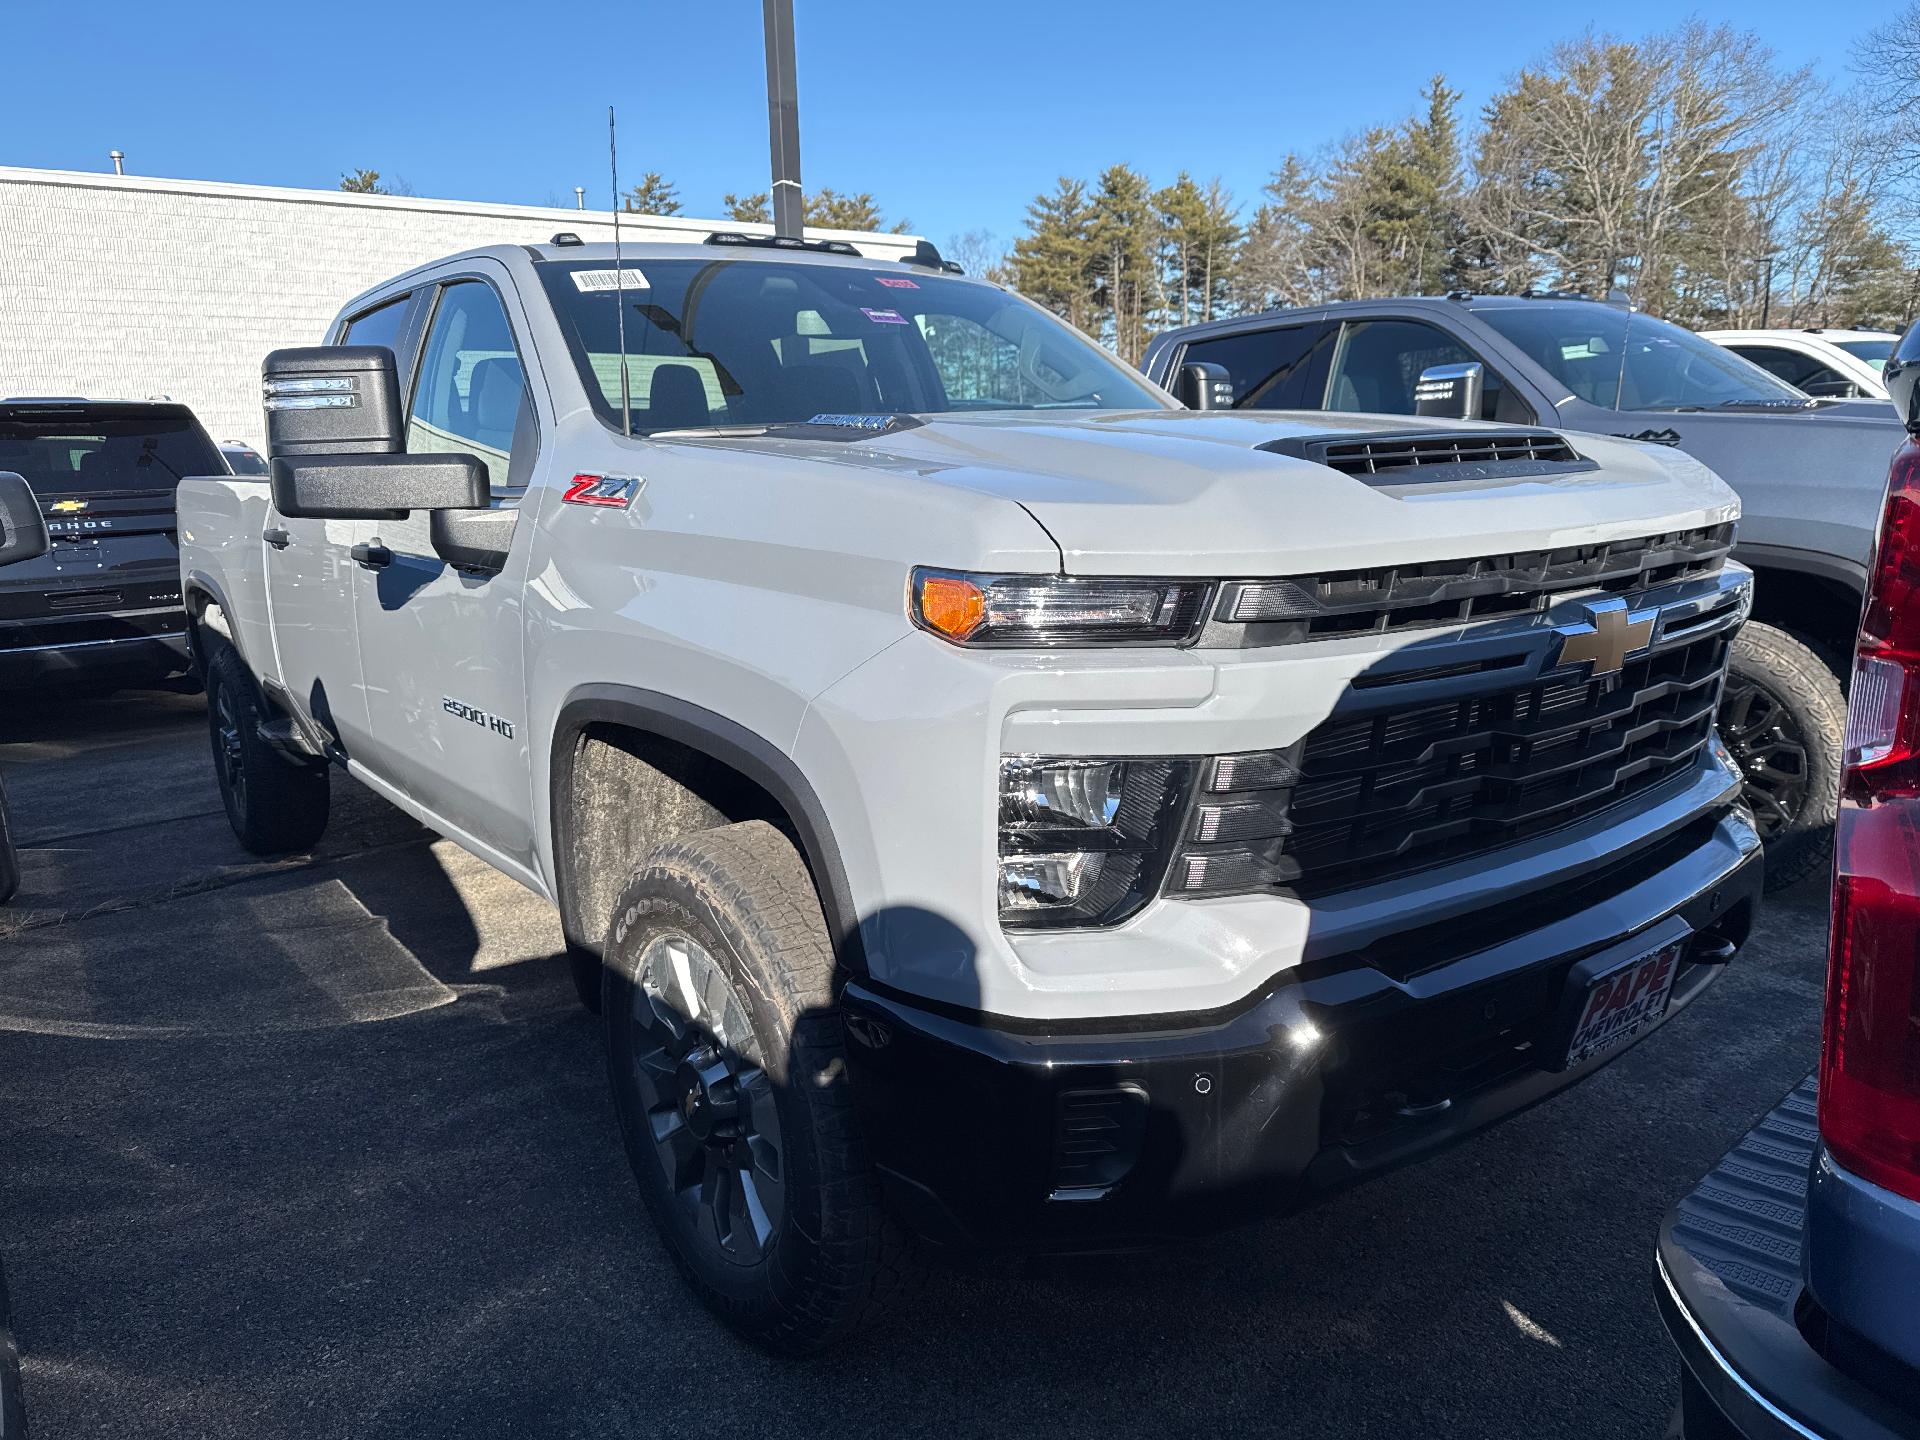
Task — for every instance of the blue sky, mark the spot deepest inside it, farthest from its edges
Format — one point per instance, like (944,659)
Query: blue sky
(954,115)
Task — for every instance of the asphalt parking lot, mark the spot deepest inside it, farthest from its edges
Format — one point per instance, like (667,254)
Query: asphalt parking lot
(321,1147)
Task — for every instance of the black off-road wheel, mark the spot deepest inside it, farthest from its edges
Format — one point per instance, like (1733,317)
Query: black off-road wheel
(726,1056)
(275,806)
(1783,717)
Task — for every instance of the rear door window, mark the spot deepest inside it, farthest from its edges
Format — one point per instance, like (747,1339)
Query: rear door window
(1793,366)
(79,450)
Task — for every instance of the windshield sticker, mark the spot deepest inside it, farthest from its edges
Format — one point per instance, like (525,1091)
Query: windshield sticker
(897,282)
(883,317)
(594,281)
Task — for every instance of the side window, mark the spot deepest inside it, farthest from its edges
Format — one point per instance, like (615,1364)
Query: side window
(977,367)
(379,326)
(1269,368)
(1378,362)
(470,394)
(1797,369)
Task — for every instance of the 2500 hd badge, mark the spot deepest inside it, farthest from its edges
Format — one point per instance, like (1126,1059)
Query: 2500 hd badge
(478,716)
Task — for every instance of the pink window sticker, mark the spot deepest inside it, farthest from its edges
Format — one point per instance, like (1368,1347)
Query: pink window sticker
(883,317)
(897,282)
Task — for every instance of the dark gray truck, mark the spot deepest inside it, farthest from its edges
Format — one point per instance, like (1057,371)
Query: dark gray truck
(1810,475)
(103,604)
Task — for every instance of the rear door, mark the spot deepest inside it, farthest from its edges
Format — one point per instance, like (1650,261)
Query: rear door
(105,474)
(311,581)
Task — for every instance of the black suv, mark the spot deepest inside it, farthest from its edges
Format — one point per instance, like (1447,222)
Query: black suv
(104,602)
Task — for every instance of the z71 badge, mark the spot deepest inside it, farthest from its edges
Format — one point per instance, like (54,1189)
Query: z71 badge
(614,492)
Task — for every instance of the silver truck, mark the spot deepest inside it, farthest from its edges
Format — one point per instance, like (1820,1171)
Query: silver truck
(984,800)
(1809,473)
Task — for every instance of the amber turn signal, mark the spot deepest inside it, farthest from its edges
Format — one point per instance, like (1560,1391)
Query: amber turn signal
(950,604)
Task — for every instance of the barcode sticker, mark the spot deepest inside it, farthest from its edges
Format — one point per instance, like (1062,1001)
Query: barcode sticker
(625,278)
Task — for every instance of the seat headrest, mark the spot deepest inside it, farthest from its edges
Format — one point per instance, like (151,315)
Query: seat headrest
(677,398)
(493,399)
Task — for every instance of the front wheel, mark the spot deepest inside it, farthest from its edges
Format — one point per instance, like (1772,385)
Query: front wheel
(725,1052)
(1783,717)
(275,806)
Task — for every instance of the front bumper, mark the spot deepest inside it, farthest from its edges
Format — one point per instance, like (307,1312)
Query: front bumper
(1730,1291)
(1039,1135)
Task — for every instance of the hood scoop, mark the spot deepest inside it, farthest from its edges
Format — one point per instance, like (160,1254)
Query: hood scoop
(1431,457)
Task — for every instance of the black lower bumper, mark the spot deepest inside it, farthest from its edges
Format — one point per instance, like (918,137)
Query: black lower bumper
(1007,1135)
(1728,1282)
(83,649)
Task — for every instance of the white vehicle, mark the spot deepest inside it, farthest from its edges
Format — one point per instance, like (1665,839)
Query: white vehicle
(1828,364)
(984,798)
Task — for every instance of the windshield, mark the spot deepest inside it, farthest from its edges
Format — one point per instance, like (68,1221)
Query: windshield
(1663,368)
(1874,352)
(757,342)
(84,450)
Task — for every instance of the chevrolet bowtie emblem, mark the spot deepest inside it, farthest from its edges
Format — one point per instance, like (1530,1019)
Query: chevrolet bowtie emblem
(66,507)
(1609,636)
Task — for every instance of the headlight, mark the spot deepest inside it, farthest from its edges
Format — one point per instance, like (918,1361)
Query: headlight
(1056,609)
(1089,840)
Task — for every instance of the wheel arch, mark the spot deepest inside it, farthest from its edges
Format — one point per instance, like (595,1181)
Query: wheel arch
(1805,593)
(743,775)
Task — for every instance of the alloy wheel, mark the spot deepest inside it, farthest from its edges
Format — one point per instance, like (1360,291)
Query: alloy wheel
(708,1100)
(1771,750)
(227,746)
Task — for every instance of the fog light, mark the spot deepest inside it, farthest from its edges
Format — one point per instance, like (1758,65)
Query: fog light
(1047,882)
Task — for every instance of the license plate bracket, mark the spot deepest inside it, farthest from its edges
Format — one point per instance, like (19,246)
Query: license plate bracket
(1616,996)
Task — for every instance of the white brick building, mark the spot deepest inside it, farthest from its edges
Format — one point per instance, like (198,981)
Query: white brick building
(128,287)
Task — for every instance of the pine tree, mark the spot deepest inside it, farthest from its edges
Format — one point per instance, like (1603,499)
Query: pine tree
(1122,236)
(1418,177)
(1052,263)
(1272,270)
(756,209)
(1198,230)
(654,195)
(362,182)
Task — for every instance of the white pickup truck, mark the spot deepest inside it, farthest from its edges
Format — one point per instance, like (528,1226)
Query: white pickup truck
(984,798)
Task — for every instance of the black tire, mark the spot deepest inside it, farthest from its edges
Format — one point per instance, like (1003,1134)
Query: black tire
(585,968)
(275,806)
(794,1251)
(1783,717)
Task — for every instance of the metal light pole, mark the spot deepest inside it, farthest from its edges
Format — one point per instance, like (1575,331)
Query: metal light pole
(1766,295)
(783,118)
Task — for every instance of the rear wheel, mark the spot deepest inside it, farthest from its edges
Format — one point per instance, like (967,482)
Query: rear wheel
(274,805)
(1783,716)
(726,1059)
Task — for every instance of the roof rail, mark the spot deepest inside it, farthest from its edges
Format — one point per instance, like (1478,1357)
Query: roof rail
(924,253)
(779,242)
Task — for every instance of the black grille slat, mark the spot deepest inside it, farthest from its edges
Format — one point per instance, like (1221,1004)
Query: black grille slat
(1402,789)
(1448,592)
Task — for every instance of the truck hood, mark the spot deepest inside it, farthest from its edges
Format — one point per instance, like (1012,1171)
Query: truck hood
(1191,493)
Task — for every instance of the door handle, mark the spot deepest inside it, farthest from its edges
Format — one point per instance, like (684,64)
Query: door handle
(374,557)
(276,537)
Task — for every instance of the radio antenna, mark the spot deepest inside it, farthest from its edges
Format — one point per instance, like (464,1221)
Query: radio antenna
(619,281)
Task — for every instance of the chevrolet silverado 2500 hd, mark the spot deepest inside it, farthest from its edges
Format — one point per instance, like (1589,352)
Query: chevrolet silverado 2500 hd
(983,798)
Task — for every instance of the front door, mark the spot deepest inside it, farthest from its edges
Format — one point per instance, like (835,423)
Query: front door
(312,581)
(441,651)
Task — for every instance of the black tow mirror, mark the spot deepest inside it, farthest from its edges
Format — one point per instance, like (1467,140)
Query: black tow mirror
(1901,374)
(1203,385)
(23,529)
(332,400)
(473,541)
(1450,391)
(376,487)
